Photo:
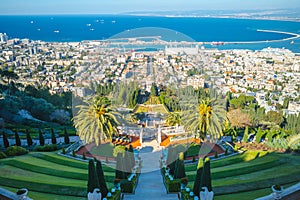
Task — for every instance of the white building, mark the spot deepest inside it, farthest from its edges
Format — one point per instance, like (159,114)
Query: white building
(3,38)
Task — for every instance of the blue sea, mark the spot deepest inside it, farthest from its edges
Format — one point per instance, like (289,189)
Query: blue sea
(69,28)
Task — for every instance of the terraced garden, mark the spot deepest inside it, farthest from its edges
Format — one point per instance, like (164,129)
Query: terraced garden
(250,175)
(48,176)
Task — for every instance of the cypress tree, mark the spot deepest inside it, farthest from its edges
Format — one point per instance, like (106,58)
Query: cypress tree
(258,135)
(66,137)
(101,179)
(92,178)
(53,138)
(41,138)
(131,154)
(119,172)
(246,135)
(28,137)
(197,182)
(17,137)
(206,178)
(5,140)
(179,167)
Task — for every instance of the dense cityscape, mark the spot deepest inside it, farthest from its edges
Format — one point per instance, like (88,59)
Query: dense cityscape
(126,100)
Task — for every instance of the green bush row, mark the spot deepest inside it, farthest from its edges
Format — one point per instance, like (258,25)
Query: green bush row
(62,161)
(47,171)
(69,162)
(255,185)
(241,170)
(46,148)
(45,188)
(247,156)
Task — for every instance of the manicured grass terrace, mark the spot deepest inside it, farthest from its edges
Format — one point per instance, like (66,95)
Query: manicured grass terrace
(251,173)
(46,174)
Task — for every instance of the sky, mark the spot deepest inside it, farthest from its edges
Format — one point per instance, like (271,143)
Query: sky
(32,7)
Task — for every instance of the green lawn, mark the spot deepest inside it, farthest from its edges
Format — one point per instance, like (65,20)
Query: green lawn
(42,172)
(250,172)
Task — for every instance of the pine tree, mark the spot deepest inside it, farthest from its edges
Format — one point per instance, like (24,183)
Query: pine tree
(28,137)
(66,137)
(92,178)
(5,140)
(246,134)
(101,179)
(53,138)
(41,138)
(17,137)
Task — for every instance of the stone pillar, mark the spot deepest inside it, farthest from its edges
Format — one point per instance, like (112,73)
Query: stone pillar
(141,136)
(159,135)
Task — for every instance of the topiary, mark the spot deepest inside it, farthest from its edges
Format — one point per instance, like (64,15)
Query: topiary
(63,150)
(216,154)
(83,156)
(73,153)
(226,152)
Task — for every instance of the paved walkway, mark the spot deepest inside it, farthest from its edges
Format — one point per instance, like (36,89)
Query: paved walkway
(150,185)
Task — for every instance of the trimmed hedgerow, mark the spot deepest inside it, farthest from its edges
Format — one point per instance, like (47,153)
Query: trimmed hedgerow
(46,148)
(15,151)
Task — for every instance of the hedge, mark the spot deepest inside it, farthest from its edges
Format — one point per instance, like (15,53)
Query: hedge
(15,151)
(46,148)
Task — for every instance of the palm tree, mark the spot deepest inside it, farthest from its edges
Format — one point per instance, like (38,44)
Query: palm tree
(207,119)
(95,120)
(173,118)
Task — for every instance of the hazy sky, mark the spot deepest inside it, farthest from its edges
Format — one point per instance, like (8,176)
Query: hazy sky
(119,6)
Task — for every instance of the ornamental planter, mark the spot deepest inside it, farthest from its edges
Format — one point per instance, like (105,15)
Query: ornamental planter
(21,193)
(277,190)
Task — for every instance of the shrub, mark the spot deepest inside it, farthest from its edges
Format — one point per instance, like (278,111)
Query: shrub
(127,186)
(226,152)
(15,151)
(46,148)
(194,159)
(63,150)
(2,155)
(216,154)
(280,143)
(173,186)
(83,156)
(73,153)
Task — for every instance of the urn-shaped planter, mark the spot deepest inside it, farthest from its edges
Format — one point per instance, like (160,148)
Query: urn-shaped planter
(21,193)
(277,191)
